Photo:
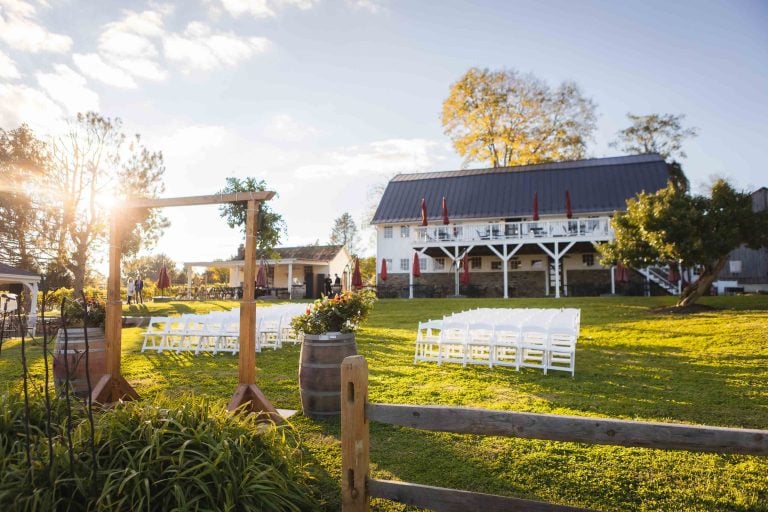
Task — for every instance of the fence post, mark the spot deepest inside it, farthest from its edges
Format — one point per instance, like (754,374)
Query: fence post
(354,434)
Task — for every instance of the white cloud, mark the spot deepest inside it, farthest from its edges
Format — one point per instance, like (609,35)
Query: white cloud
(8,68)
(21,104)
(372,6)
(68,88)
(93,66)
(261,8)
(20,31)
(128,44)
(198,49)
(284,128)
(377,158)
(255,8)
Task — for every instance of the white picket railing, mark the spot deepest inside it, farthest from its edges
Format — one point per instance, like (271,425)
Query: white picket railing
(597,228)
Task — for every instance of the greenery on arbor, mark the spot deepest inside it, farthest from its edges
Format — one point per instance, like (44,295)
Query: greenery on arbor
(271,226)
(655,133)
(673,227)
(344,232)
(508,118)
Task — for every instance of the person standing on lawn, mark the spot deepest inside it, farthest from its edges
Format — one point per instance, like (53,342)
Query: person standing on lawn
(131,289)
(139,289)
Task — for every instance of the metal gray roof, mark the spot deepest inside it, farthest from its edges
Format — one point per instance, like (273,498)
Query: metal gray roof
(597,185)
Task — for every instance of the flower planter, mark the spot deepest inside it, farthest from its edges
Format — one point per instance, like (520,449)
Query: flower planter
(320,372)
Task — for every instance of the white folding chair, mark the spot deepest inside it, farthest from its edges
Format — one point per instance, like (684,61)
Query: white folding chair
(561,350)
(479,344)
(506,345)
(533,347)
(428,341)
(156,335)
(453,339)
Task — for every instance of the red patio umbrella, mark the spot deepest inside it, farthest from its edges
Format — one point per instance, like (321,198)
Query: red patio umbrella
(261,275)
(163,281)
(673,276)
(464,278)
(383,269)
(416,265)
(357,280)
(568,210)
(535,206)
(445,212)
(423,212)
(621,273)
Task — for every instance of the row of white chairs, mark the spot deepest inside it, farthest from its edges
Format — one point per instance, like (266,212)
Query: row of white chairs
(520,338)
(219,331)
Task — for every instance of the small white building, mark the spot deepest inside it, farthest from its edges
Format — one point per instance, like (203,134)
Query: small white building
(295,273)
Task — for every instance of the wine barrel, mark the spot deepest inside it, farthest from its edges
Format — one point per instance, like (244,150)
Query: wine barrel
(73,360)
(320,372)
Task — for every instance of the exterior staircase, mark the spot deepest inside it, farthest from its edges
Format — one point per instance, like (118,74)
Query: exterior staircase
(658,275)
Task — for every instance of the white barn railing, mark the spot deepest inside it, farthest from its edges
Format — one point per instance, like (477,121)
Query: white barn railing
(597,228)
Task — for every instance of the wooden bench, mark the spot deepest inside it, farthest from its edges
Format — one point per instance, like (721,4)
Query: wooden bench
(356,412)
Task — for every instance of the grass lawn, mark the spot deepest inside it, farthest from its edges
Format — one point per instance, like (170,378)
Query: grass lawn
(708,368)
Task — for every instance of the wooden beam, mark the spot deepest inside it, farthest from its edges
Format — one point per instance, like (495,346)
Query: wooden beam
(454,500)
(166,202)
(355,438)
(112,386)
(247,367)
(576,429)
(248,397)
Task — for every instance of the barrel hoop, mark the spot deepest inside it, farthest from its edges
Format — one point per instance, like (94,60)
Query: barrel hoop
(321,365)
(315,343)
(323,413)
(320,393)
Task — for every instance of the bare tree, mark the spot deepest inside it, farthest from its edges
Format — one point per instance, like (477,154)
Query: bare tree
(655,133)
(93,166)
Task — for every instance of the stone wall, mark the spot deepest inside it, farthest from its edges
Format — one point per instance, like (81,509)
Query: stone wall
(481,284)
(589,282)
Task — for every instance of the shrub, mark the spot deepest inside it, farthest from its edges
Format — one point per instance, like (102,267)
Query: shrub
(342,313)
(95,306)
(167,455)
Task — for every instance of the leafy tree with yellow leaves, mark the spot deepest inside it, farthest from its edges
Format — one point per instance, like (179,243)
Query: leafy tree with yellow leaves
(508,118)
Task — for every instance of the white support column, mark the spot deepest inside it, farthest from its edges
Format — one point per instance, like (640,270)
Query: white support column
(557,270)
(613,279)
(290,280)
(505,263)
(189,282)
(505,257)
(32,315)
(456,272)
(410,280)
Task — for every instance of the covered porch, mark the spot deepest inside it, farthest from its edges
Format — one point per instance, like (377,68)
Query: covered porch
(30,283)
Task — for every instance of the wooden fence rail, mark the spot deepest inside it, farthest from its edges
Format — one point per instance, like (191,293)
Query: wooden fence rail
(356,412)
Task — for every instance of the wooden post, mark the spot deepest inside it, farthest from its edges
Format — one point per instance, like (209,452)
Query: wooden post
(354,435)
(112,386)
(247,393)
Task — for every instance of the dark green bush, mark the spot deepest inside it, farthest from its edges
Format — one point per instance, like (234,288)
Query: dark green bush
(180,455)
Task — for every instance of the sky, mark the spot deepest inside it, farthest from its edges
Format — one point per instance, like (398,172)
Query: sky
(326,100)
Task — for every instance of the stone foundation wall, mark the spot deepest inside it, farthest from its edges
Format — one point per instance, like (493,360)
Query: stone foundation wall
(481,284)
(583,283)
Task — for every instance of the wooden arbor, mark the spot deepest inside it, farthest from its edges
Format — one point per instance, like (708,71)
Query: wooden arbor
(112,386)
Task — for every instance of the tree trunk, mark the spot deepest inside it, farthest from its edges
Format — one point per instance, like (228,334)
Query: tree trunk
(695,291)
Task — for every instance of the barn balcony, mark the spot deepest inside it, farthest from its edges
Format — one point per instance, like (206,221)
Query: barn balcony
(593,229)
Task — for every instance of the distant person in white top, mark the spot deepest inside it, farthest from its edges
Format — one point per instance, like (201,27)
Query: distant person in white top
(131,289)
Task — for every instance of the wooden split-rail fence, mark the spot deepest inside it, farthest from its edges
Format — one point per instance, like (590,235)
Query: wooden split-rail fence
(357,487)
